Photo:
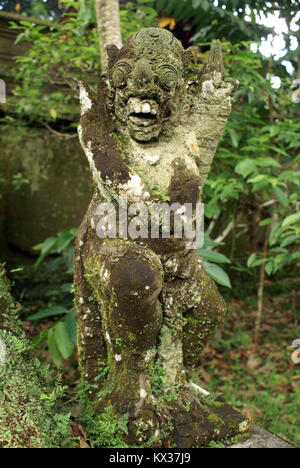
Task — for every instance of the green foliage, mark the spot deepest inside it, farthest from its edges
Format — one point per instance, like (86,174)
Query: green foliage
(104,430)
(18,181)
(211,258)
(60,244)
(49,312)
(63,54)
(29,416)
(262,177)
(217,274)
(61,336)
(36,8)
(262,380)
(226,19)
(136,16)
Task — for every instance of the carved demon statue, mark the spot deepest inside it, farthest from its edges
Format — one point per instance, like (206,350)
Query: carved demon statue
(146,307)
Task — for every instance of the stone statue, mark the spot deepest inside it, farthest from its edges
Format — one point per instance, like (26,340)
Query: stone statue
(146,306)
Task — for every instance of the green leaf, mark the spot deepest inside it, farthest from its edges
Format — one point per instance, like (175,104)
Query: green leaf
(251,260)
(267,162)
(71,325)
(266,221)
(294,256)
(48,247)
(64,240)
(212,256)
(291,219)
(275,232)
(245,167)
(63,340)
(281,197)
(269,267)
(49,312)
(288,240)
(217,274)
(196,3)
(259,178)
(205,5)
(123,423)
(234,137)
(54,351)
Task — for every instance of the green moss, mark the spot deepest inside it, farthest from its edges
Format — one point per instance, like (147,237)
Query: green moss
(105,430)
(213,418)
(28,395)
(38,209)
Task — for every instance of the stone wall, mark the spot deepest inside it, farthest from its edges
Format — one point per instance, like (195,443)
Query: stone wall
(59,187)
(57,190)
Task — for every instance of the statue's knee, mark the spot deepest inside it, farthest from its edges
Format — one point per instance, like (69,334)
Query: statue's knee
(215,304)
(136,278)
(133,288)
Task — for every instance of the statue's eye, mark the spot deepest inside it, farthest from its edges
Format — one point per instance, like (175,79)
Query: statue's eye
(120,73)
(168,76)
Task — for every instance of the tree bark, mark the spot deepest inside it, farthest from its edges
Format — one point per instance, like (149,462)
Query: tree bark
(108,26)
(260,292)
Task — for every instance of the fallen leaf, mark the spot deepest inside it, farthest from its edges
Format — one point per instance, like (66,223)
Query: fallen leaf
(78,433)
(253,362)
(205,375)
(248,415)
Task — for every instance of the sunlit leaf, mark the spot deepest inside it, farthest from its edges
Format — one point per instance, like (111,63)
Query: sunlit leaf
(217,274)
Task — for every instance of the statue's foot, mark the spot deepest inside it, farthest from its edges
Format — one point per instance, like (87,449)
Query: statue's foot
(182,418)
(199,420)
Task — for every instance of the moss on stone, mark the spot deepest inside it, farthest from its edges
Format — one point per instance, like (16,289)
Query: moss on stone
(28,394)
(38,209)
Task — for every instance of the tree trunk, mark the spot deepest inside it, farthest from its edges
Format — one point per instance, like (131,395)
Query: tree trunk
(260,292)
(108,25)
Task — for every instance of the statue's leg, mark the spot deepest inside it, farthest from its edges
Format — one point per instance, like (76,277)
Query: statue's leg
(126,280)
(189,291)
(90,341)
(202,319)
(193,308)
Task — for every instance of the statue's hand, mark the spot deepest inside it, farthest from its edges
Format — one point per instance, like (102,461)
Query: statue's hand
(214,88)
(210,101)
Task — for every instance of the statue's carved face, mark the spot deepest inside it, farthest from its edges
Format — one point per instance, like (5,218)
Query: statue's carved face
(146,78)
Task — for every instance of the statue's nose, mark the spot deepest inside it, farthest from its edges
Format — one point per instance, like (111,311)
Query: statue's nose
(142,73)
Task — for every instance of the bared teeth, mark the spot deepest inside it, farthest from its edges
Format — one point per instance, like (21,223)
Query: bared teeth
(143,113)
(146,108)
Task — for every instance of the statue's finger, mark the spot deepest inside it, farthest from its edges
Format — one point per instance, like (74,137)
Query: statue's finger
(214,64)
